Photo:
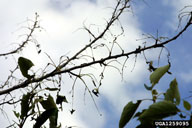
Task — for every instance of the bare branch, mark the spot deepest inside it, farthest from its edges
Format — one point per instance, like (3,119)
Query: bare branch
(100,61)
(29,36)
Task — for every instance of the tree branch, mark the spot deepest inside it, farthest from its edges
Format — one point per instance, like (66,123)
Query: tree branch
(35,25)
(100,61)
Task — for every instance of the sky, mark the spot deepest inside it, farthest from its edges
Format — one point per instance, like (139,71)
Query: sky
(61,34)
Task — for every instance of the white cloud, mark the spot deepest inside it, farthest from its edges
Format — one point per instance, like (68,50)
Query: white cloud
(187,76)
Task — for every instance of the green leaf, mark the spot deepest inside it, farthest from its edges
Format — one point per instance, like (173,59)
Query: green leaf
(187,105)
(24,65)
(139,113)
(47,114)
(51,113)
(53,119)
(61,99)
(157,74)
(25,105)
(173,93)
(16,114)
(49,103)
(158,111)
(128,112)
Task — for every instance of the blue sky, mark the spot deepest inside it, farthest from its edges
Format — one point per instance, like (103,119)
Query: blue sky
(61,21)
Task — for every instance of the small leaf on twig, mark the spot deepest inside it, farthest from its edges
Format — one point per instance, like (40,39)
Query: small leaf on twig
(61,99)
(187,105)
(158,73)
(48,103)
(24,65)
(156,76)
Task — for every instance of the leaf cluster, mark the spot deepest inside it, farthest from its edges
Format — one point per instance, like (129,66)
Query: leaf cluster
(160,108)
(29,106)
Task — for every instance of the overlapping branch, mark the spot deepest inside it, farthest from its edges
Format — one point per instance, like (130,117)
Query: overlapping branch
(61,69)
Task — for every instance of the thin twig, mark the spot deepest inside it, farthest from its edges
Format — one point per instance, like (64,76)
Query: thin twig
(35,25)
